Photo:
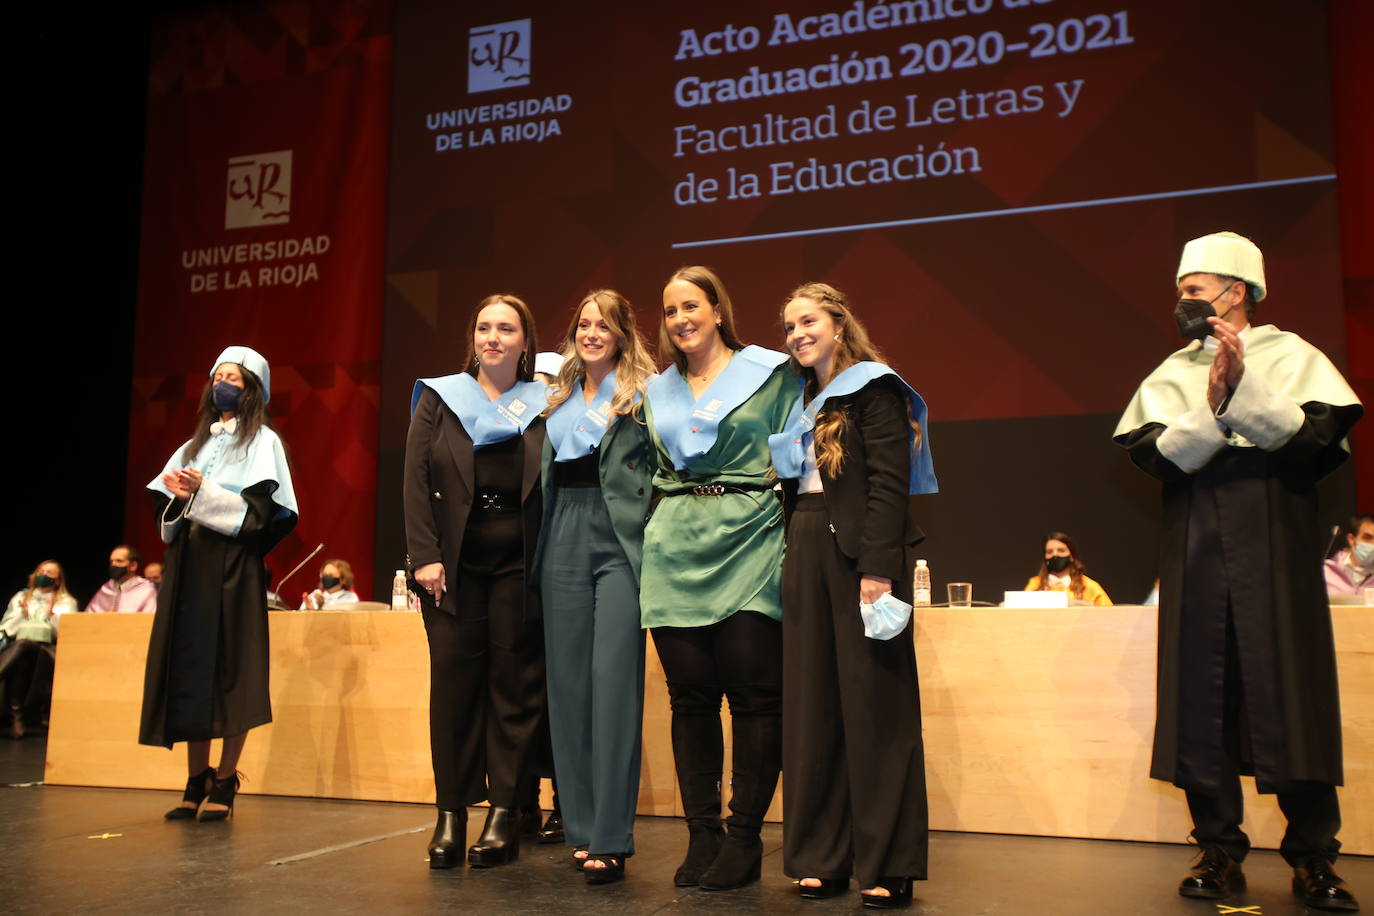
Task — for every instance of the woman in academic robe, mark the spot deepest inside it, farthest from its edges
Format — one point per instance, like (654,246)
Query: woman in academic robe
(1062,570)
(712,569)
(597,478)
(472,510)
(854,450)
(223,500)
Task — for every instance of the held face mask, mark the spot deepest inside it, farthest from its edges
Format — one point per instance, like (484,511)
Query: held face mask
(884,618)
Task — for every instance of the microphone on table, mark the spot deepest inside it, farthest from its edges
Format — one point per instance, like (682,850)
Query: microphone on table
(275,604)
(1335,533)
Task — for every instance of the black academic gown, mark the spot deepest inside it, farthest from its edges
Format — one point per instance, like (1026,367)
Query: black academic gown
(1242,534)
(207,668)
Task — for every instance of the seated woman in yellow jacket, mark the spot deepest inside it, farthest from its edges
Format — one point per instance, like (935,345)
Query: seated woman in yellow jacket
(1063,571)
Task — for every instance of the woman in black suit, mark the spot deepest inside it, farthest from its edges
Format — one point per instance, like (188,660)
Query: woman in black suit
(472,508)
(855,450)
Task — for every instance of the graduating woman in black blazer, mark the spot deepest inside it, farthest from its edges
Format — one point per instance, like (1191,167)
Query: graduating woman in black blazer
(855,450)
(472,507)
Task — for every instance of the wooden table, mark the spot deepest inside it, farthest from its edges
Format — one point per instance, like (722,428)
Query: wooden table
(1036,721)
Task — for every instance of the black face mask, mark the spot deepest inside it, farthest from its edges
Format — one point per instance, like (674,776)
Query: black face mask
(1057,565)
(1191,316)
(328,582)
(226,396)
(118,572)
(42,581)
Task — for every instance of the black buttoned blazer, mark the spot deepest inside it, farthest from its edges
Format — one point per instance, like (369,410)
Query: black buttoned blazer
(440,489)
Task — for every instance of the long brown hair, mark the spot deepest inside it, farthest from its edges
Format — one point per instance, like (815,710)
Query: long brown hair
(854,346)
(59,589)
(633,365)
(1076,567)
(704,279)
(345,571)
(525,370)
(251,413)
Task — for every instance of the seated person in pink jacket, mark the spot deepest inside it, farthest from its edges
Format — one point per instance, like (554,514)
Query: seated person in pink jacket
(1351,571)
(125,591)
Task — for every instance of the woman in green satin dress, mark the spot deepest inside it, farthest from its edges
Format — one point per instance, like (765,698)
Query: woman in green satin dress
(712,569)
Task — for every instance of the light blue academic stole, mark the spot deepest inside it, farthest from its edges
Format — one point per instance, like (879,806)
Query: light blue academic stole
(789,446)
(688,426)
(486,421)
(576,428)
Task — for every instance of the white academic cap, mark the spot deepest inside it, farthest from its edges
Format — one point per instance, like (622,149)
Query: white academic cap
(1227,254)
(251,360)
(548,363)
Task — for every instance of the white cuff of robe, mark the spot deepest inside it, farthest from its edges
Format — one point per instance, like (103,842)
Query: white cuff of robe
(1260,414)
(218,509)
(1192,439)
(168,527)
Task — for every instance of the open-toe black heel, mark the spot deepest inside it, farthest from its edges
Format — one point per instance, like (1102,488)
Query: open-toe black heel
(578,861)
(612,868)
(829,887)
(222,792)
(196,789)
(899,891)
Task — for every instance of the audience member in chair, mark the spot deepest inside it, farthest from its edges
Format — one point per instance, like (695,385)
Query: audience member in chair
(336,587)
(1062,571)
(29,630)
(125,591)
(1351,570)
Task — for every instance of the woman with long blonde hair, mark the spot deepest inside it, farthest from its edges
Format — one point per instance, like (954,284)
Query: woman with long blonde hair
(28,632)
(854,450)
(597,471)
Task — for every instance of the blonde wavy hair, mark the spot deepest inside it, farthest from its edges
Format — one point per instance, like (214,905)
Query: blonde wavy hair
(633,364)
(853,346)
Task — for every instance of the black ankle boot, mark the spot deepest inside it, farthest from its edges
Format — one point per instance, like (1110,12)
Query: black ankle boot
(756,761)
(196,789)
(698,751)
(450,833)
(499,843)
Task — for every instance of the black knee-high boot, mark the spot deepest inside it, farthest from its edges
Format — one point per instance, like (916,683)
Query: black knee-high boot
(757,759)
(698,754)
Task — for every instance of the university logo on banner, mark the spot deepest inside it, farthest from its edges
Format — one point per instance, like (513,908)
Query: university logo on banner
(258,192)
(499,56)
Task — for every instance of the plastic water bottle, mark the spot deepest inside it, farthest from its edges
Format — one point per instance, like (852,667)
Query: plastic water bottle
(920,585)
(400,597)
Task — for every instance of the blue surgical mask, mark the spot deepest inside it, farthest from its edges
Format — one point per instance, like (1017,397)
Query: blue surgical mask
(1363,552)
(226,396)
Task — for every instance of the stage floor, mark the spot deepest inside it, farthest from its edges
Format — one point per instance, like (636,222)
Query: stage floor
(81,850)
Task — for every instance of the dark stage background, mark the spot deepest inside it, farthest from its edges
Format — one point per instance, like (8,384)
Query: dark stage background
(1026,332)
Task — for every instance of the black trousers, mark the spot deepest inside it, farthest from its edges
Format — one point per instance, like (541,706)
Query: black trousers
(739,657)
(27,670)
(855,801)
(486,698)
(1311,808)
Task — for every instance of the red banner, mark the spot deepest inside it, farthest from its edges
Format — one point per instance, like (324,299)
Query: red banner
(263,214)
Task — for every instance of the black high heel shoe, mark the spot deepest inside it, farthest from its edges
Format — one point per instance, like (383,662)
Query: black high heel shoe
(612,868)
(222,792)
(450,832)
(899,890)
(196,789)
(829,887)
(499,843)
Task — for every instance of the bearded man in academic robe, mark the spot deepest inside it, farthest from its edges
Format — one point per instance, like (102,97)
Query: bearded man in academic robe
(1240,425)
